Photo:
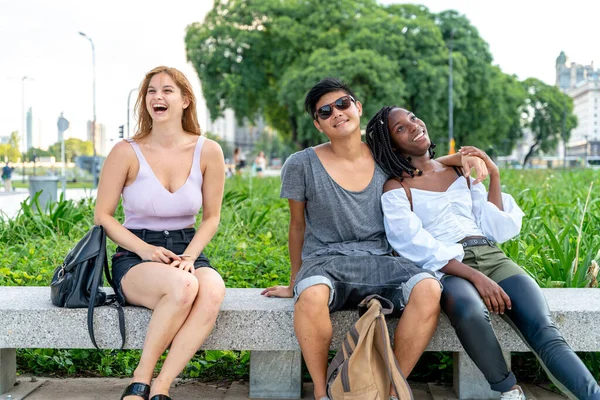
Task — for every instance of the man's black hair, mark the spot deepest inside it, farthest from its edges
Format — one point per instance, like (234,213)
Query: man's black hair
(378,139)
(325,86)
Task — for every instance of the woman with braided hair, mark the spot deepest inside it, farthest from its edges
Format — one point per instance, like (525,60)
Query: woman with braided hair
(448,223)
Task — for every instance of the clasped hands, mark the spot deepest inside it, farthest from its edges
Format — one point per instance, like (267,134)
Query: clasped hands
(159,254)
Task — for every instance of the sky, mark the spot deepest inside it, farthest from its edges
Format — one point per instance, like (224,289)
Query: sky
(40,41)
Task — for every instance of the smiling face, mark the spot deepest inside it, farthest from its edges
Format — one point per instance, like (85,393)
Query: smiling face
(164,100)
(341,123)
(408,134)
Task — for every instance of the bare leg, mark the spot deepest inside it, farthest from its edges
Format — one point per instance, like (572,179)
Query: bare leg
(168,291)
(313,330)
(417,324)
(196,328)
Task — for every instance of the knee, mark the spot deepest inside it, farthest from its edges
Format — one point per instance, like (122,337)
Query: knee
(313,300)
(184,290)
(211,295)
(425,296)
(468,311)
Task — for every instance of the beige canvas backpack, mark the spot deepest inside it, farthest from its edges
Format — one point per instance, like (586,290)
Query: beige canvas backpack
(365,367)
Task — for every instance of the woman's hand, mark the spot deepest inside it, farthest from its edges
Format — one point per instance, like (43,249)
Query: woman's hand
(158,254)
(186,265)
(470,162)
(494,297)
(279,291)
(471,151)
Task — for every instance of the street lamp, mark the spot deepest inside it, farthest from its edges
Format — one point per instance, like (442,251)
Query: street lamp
(94,168)
(23,79)
(451,149)
(128,112)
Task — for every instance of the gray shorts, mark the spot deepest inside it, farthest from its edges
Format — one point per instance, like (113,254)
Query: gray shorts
(352,278)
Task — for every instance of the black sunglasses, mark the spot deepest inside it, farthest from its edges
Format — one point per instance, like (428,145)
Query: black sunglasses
(343,103)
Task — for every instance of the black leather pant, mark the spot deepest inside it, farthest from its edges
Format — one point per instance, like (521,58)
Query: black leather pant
(530,317)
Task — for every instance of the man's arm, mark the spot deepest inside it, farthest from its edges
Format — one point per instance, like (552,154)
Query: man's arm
(295,244)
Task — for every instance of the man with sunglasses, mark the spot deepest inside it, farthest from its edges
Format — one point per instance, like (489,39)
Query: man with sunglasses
(339,253)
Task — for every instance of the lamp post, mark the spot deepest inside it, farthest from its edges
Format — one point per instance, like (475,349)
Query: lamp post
(128,110)
(23,79)
(94,168)
(451,149)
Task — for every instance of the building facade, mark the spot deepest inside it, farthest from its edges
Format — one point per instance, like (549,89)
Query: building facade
(582,84)
(100,142)
(570,74)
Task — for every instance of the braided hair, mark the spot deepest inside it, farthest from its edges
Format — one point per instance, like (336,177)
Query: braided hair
(378,139)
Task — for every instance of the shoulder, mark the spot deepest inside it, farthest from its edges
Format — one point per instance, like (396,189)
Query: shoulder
(122,150)
(298,159)
(391,184)
(210,147)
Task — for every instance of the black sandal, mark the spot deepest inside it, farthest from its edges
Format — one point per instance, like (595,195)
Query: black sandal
(137,389)
(161,397)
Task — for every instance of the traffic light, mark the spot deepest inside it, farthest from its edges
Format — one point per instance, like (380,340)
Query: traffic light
(121,128)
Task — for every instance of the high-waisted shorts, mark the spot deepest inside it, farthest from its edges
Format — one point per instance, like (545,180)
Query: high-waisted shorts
(176,241)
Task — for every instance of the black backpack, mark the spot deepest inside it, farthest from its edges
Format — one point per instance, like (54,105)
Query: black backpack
(79,280)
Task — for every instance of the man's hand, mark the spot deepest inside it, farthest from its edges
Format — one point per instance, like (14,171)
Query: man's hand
(494,297)
(279,291)
(472,151)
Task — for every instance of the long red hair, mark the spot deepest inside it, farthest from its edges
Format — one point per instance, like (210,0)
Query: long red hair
(189,119)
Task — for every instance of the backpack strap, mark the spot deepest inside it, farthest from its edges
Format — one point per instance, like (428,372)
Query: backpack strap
(388,364)
(407,191)
(100,265)
(387,307)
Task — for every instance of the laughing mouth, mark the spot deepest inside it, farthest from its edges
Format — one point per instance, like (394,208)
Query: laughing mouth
(159,107)
(419,136)
(339,123)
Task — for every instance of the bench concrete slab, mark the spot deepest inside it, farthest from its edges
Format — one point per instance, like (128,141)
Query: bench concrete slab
(249,321)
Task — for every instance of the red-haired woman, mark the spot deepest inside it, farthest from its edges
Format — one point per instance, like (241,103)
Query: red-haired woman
(165,174)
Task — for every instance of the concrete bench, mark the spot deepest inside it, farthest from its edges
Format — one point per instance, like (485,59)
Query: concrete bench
(264,326)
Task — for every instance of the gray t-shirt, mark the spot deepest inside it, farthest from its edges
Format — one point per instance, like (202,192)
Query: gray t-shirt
(338,221)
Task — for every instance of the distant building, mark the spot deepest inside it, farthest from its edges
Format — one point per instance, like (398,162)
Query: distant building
(582,84)
(100,142)
(568,75)
(227,127)
(586,99)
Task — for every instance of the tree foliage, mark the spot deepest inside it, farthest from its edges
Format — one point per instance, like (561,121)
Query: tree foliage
(260,57)
(10,151)
(73,148)
(549,115)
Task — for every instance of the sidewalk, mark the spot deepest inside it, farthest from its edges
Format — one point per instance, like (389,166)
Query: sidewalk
(10,203)
(111,388)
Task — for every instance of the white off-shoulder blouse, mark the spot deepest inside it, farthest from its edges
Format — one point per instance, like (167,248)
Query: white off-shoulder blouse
(429,234)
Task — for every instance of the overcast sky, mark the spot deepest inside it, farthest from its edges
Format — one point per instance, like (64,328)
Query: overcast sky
(40,40)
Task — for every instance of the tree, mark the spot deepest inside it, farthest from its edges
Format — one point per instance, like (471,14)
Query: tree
(260,57)
(487,101)
(73,148)
(10,151)
(37,152)
(549,114)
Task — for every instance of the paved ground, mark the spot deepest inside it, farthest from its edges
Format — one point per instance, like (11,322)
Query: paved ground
(10,203)
(111,388)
